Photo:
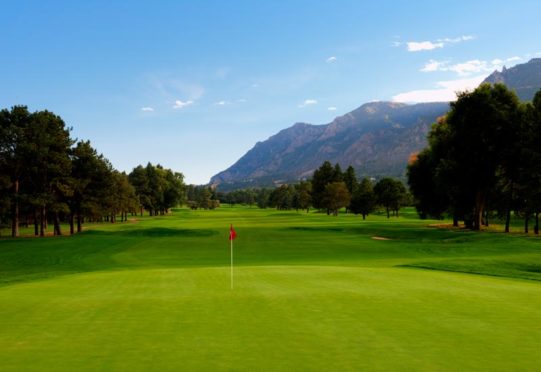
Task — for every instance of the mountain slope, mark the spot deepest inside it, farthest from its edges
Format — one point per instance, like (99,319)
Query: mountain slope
(525,78)
(376,139)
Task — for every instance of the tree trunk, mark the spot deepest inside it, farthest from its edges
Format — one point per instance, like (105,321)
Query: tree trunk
(388,216)
(36,227)
(42,221)
(15,215)
(455,220)
(79,222)
(536,227)
(526,223)
(507,220)
(56,222)
(478,212)
(364,216)
(71,223)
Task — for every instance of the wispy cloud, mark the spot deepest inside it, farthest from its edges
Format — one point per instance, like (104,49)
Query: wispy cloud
(433,65)
(332,59)
(222,72)
(331,108)
(180,104)
(308,102)
(147,109)
(455,40)
(417,46)
(443,92)
(171,87)
(221,103)
(474,66)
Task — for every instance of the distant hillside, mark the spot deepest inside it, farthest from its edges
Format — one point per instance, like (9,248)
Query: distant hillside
(376,139)
(525,78)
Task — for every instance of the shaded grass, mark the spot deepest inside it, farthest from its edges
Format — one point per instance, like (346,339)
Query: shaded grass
(513,267)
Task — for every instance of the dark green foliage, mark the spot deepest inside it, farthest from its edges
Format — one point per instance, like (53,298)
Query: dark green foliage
(202,197)
(363,200)
(303,196)
(44,178)
(484,156)
(322,176)
(336,197)
(390,194)
(158,189)
(350,178)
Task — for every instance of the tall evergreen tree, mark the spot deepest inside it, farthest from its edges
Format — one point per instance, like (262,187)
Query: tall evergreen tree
(324,175)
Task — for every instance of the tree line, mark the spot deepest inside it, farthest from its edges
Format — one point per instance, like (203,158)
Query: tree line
(48,177)
(483,160)
(330,189)
(202,197)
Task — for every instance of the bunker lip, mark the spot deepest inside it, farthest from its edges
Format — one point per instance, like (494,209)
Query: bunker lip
(380,238)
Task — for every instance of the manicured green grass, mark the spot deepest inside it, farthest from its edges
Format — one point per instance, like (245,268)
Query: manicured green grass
(312,292)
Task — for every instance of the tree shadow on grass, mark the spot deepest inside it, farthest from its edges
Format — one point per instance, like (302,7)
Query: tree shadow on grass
(155,232)
(317,228)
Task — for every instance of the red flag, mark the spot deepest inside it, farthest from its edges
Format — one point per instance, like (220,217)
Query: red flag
(232,233)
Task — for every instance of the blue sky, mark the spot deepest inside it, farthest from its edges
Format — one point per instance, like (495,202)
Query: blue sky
(193,85)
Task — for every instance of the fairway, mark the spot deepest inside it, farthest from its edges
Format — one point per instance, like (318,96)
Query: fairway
(312,292)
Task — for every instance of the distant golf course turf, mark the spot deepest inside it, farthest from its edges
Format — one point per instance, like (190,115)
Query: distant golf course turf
(312,292)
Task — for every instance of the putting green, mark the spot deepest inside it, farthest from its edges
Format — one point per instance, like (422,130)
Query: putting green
(311,292)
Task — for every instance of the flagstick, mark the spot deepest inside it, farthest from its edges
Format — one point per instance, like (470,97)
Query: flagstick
(231,263)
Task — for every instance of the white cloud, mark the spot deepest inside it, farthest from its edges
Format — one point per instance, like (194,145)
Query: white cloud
(308,102)
(332,108)
(471,67)
(467,68)
(433,65)
(396,43)
(444,91)
(332,59)
(415,46)
(221,103)
(455,40)
(147,109)
(180,105)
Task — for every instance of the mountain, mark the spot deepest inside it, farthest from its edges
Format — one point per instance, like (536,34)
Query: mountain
(376,139)
(525,78)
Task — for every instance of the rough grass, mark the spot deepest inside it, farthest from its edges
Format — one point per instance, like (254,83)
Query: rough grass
(311,292)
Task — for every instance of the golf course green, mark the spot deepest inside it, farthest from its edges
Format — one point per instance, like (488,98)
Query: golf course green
(311,292)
